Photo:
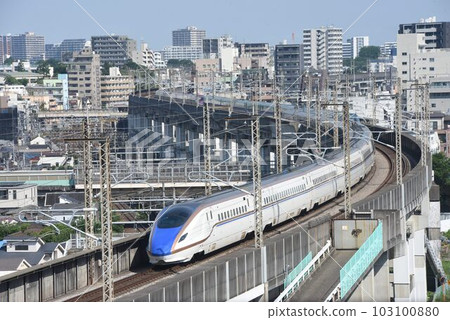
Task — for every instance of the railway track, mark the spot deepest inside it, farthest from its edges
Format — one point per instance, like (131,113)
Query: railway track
(153,274)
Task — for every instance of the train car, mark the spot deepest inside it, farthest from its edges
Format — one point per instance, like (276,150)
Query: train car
(209,223)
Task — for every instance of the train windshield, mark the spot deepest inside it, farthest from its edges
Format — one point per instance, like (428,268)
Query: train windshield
(174,217)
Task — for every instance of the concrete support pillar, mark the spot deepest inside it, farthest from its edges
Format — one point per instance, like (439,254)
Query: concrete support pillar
(401,276)
(381,278)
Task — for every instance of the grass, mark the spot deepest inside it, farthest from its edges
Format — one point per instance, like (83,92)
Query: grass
(446,265)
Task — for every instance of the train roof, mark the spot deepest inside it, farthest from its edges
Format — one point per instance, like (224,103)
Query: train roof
(333,155)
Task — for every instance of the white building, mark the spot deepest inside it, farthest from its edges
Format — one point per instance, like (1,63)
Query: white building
(183,53)
(415,62)
(15,195)
(323,49)
(357,43)
(212,48)
(21,252)
(116,89)
(146,57)
(388,49)
(159,62)
(38,141)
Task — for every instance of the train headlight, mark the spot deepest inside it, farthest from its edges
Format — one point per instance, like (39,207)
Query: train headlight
(183,237)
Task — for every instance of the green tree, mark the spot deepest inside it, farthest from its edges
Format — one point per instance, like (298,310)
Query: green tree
(105,68)
(177,63)
(20,67)
(441,168)
(8,61)
(129,66)
(9,80)
(117,227)
(7,229)
(366,54)
(43,67)
(58,67)
(369,52)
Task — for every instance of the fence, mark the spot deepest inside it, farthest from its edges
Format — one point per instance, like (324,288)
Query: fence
(361,260)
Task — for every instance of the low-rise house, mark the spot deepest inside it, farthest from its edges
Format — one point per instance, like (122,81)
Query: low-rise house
(17,195)
(21,252)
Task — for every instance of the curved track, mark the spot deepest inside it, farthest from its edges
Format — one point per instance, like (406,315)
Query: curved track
(384,167)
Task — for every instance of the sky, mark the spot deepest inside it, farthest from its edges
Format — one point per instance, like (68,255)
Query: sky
(246,21)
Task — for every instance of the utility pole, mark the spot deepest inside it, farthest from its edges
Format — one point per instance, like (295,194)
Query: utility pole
(308,102)
(417,108)
(196,89)
(374,101)
(207,149)
(347,161)
(88,196)
(318,110)
(106,219)
(335,116)
(398,133)
(256,162)
(279,142)
(256,167)
(426,123)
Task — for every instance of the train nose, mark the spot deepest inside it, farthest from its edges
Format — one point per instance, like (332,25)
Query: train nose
(162,240)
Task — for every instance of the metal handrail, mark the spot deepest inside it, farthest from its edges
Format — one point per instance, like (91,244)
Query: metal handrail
(293,286)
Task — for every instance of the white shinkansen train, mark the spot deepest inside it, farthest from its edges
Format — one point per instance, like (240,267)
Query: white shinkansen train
(210,223)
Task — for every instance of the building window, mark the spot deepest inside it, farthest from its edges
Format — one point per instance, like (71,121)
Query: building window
(404,63)
(14,194)
(21,247)
(431,59)
(435,125)
(404,72)
(431,68)
(3,194)
(404,53)
(433,105)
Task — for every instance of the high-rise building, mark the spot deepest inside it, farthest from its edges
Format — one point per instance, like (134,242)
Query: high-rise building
(116,88)
(259,53)
(188,37)
(182,53)
(388,49)
(64,50)
(146,57)
(28,46)
(159,62)
(212,48)
(84,78)
(357,43)
(5,48)
(115,49)
(415,62)
(288,68)
(323,49)
(437,34)
(347,50)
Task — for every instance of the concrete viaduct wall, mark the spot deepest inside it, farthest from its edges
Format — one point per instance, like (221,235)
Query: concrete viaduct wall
(55,279)
(233,275)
